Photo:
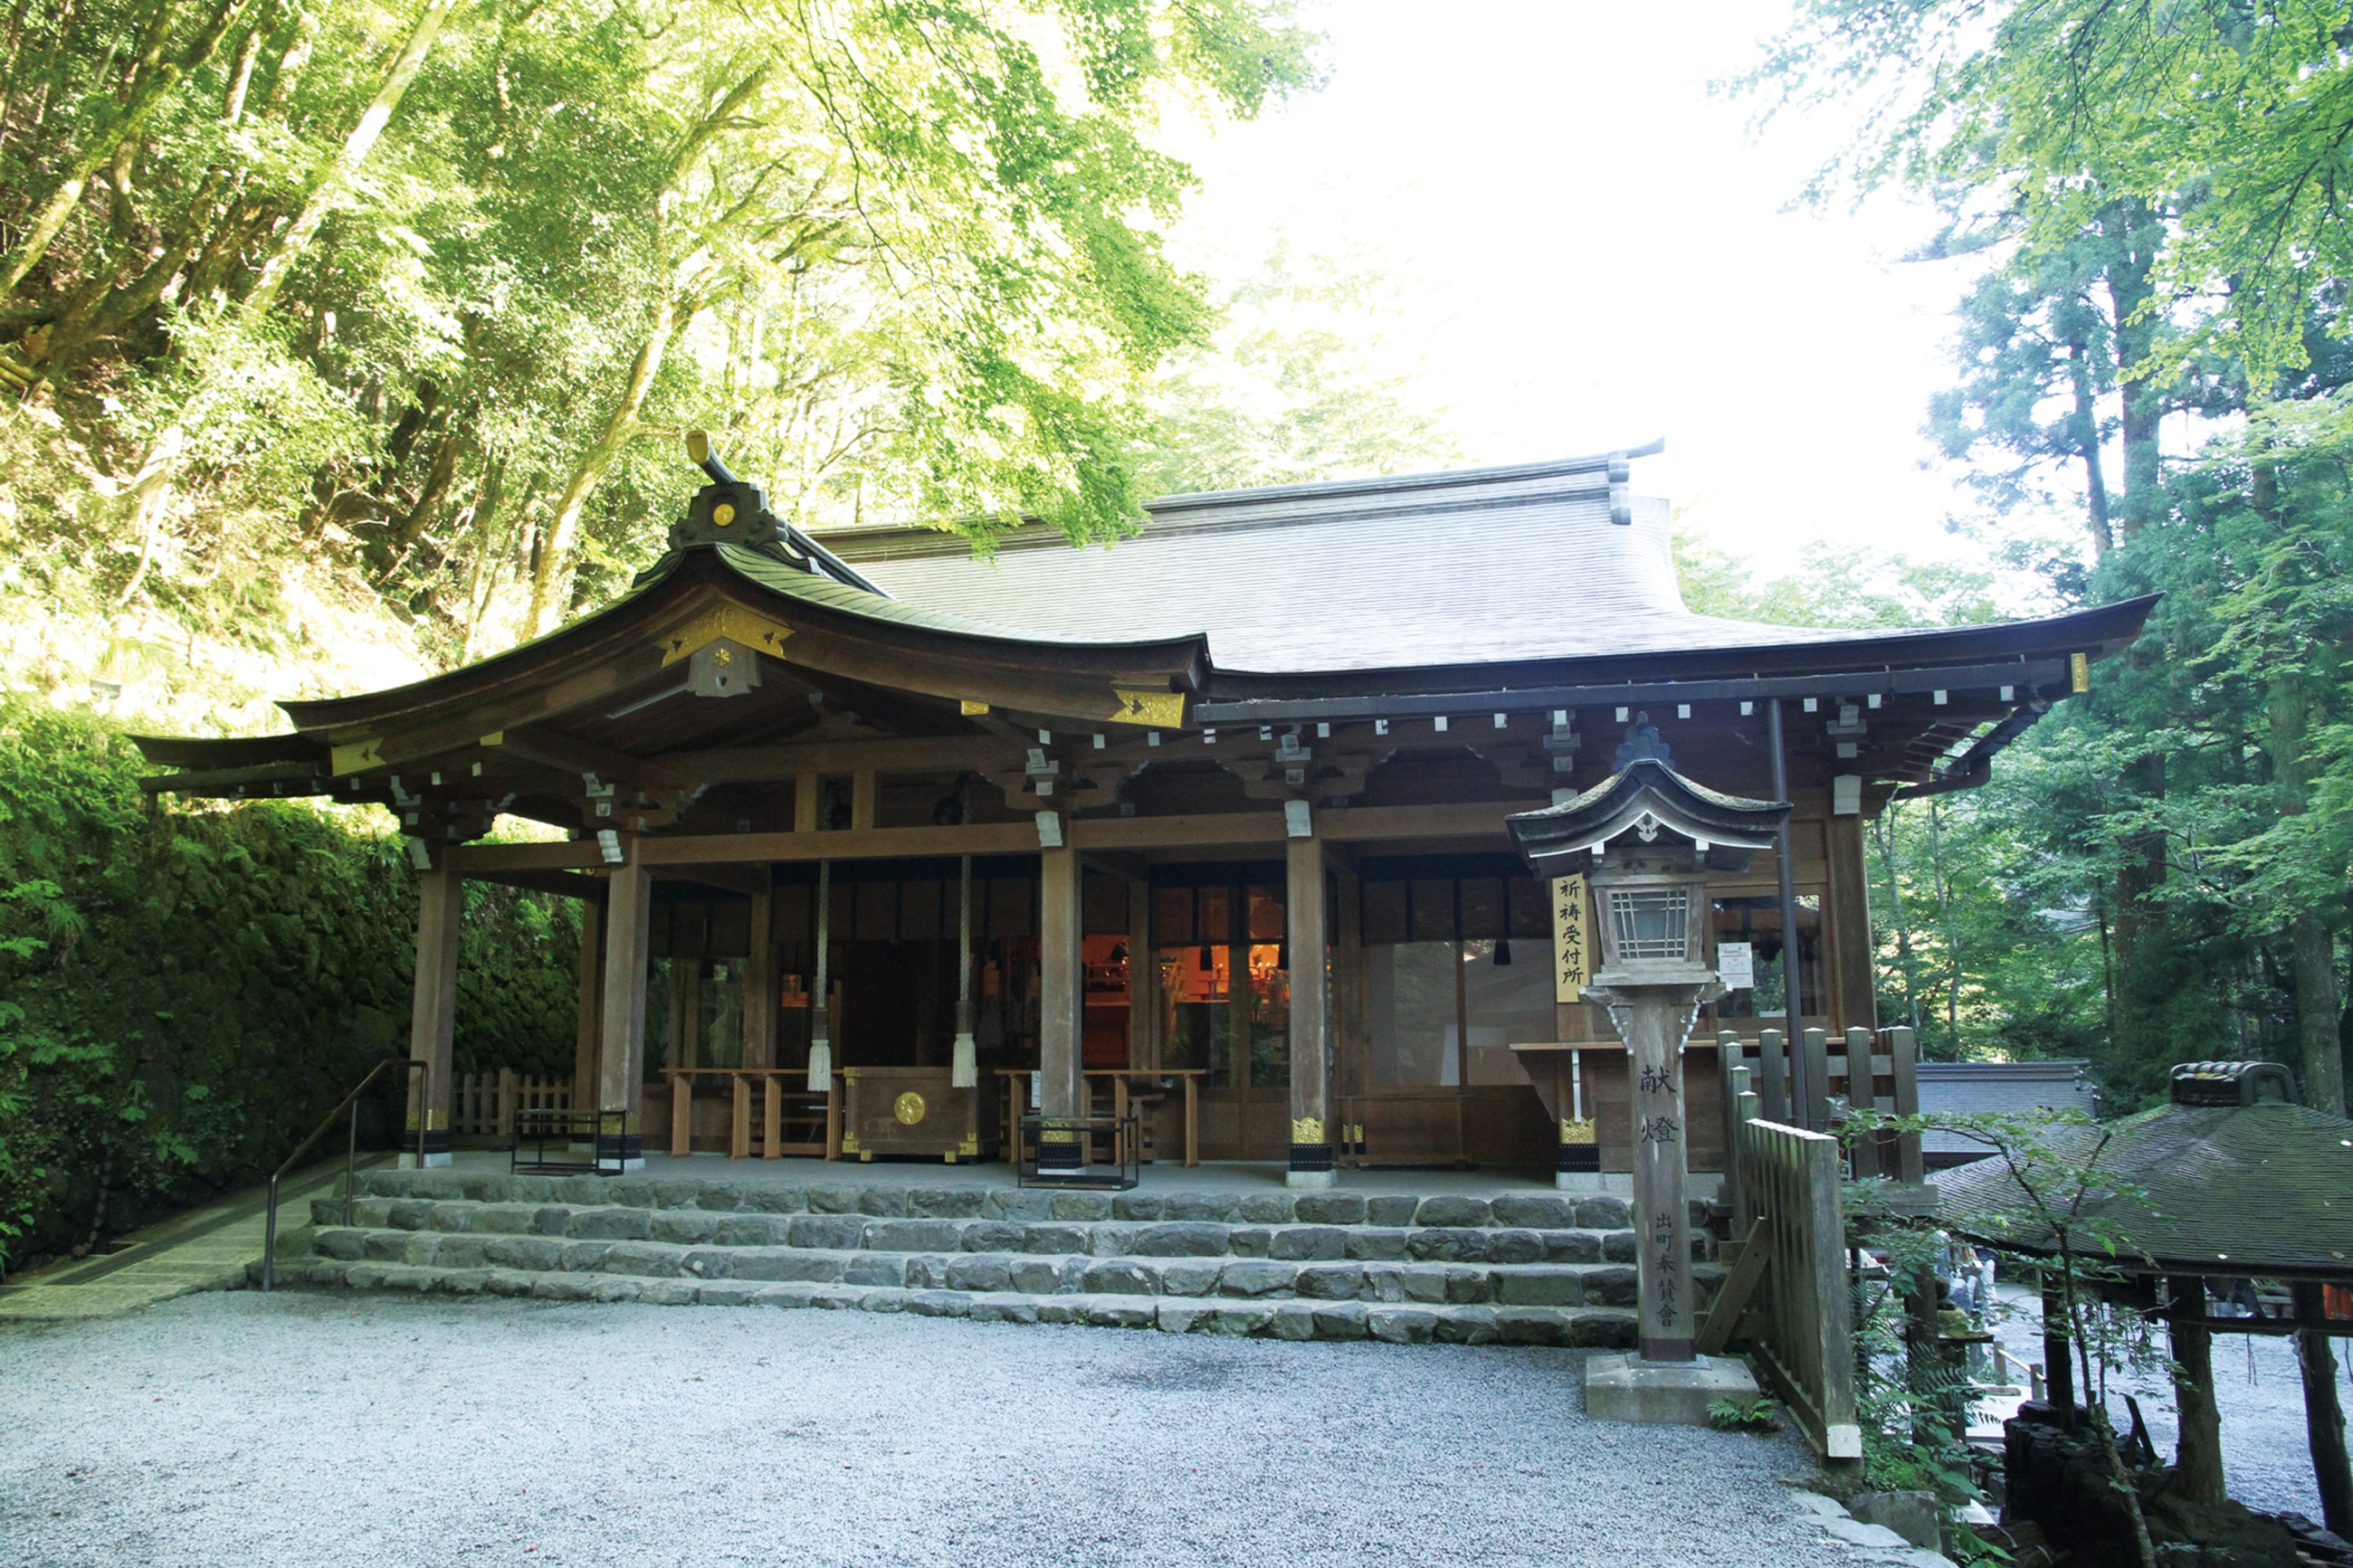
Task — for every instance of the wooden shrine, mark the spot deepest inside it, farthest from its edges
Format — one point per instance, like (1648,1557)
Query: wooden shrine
(1229,797)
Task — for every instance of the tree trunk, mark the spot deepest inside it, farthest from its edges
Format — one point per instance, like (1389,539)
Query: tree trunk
(330,184)
(146,95)
(2197,1452)
(2324,1418)
(2137,234)
(551,584)
(2083,428)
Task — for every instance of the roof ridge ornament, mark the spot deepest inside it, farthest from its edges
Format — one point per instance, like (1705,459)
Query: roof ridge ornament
(727,510)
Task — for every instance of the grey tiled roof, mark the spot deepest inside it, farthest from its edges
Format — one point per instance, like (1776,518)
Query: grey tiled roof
(1478,566)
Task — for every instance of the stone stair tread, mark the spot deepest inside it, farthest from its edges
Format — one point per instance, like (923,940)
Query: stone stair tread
(1293,1317)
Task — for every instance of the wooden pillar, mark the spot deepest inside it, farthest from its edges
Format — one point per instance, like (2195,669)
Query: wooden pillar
(590,1030)
(861,800)
(2323,1417)
(1855,1003)
(2197,1452)
(1143,981)
(1061,981)
(433,1014)
(621,1054)
(760,986)
(808,788)
(1310,1000)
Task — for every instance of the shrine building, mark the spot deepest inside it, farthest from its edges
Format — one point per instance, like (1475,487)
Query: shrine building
(1216,811)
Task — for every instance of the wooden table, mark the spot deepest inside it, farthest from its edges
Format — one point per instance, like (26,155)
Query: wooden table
(773,1094)
(1017,1097)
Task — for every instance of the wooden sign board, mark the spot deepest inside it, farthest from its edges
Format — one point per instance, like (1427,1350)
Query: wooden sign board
(1572,931)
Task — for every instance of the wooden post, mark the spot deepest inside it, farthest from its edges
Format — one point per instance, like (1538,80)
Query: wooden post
(760,986)
(1860,1095)
(1061,996)
(808,788)
(510,1097)
(433,1016)
(1192,1120)
(1143,981)
(2323,1417)
(621,1052)
(861,800)
(1904,1060)
(591,975)
(1793,964)
(2197,1452)
(964,1053)
(772,1117)
(1773,1071)
(682,1115)
(1846,911)
(739,1130)
(1816,1079)
(1311,1080)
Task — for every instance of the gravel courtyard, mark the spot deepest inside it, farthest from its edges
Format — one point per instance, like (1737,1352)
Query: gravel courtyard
(296,1429)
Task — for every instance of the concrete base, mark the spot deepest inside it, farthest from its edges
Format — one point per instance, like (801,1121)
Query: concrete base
(432,1162)
(1310,1178)
(1620,1183)
(1620,1387)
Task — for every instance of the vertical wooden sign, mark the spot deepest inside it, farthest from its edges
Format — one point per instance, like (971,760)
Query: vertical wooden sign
(1572,965)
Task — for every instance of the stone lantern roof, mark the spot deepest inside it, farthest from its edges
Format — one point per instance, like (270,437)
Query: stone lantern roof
(1645,796)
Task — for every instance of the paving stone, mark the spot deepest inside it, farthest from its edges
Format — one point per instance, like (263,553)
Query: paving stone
(1530,1326)
(787,1295)
(1308,1243)
(1572,1247)
(1450,1210)
(1238,1318)
(1016,1203)
(946,1203)
(509,1282)
(409,1213)
(1121,1278)
(532,1252)
(1111,1240)
(610,1224)
(1342,1320)
(688,1227)
(1178,1317)
(1138,1206)
(1603,1214)
(1189,1277)
(724,1197)
(832,1198)
(1535,1213)
(937,1304)
(1036,1276)
(1611,1287)
(881,1268)
(1384,1282)
(912,1235)
(1618,1247)
(346,1246)
(1267,1208)
(461,1252)
(1330,1208)
(727,1292)
(1394,1210)
(619,1289)
(1330,1282)
(1061,1239)
(1377,1244)
(447,1217)
(1292,1320)
(399,1247)
(770,1198)
(583,1256)
(1402,1325)
(1248,1241)
(833,1232)
(1216,1208)
(1465,1285)
(504,1219)
(1541,1285)
(1179,1240)
(744,1229)
(677,1193)
(551,1220)
(839,1298)
(591,1191)
(1003,1310)
(1449,1244)
(1083,1207)
(1609,1331)
(1514,1247)
(564,1287)
(992,1235)
(979,1273)
(1467,1326)
(1424,1284)
(1114,1314)
(799,1263)
(1256,1279)
(530,1190)
(627,1192)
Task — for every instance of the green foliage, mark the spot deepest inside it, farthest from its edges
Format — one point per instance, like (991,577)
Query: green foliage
(1743,1416)
(185,992)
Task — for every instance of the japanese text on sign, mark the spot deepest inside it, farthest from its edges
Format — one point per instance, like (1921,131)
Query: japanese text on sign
(1571,965)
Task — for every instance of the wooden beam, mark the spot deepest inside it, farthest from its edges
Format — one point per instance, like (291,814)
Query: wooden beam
(570,754)
(861,800)
(808,789)
(875,844)
(764,764)
(485,860)
(563,884)
(1853,986)
(1739,1290)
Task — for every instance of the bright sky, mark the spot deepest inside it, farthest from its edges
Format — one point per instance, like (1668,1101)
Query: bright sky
(1595,253)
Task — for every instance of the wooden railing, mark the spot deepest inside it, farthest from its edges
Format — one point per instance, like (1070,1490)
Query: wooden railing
(1789,1288)
(786,1119)
(1863,1071)
(482,1104)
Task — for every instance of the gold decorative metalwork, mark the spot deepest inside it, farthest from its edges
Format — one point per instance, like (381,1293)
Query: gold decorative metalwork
(1159,710)
(355,755)
(1576,1132)
(721,515)
(909,1108)
(849,1143)
(1306,1129)
(971,1144)
(2079,672)
(731,623)
(972,709)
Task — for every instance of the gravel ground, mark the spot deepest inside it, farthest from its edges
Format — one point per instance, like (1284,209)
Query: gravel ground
(239,1428)
(2266,1457)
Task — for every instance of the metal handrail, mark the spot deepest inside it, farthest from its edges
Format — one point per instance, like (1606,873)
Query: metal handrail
(350,1102)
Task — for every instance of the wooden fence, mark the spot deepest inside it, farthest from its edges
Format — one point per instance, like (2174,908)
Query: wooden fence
(482,1104)
(1789,1283)
(1864,1071)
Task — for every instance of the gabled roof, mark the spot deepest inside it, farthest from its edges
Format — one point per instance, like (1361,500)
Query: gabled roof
(1532,562)
(1647,796)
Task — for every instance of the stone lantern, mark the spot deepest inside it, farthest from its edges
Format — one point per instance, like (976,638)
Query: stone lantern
(1646,838)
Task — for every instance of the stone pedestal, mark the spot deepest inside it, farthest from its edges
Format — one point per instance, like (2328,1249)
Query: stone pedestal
(1621,1386)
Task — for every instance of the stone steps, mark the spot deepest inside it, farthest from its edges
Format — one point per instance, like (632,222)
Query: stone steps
(1533,1270)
